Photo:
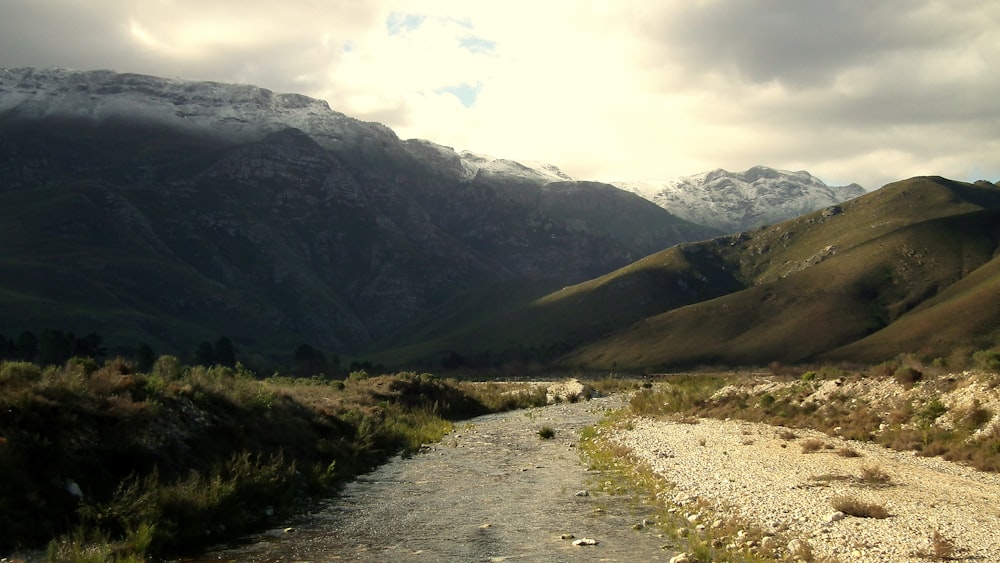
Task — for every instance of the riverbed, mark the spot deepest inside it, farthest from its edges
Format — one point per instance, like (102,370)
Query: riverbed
(492,490)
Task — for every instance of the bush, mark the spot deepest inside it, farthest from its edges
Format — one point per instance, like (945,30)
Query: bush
(988,360)
(907,376)
(812,445)
(546,433)
(873,475)
(854,507)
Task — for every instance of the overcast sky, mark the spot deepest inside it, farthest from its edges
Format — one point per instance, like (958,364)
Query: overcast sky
(866,91)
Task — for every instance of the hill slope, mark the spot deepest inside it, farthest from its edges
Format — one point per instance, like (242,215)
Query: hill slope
(864,280)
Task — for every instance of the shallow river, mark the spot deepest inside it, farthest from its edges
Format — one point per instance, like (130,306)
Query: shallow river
(490,491)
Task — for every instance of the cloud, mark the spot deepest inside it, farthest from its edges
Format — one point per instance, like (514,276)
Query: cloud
(851,91)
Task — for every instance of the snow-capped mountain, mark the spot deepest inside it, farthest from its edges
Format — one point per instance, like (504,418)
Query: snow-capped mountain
(243,113)
(235,112)
(740,201)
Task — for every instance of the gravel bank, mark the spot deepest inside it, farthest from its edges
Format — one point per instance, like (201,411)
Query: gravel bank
(748,468)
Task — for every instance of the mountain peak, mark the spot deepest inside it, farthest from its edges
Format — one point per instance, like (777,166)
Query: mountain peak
(741,201)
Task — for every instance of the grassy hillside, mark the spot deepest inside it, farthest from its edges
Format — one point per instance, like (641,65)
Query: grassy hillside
(879,271)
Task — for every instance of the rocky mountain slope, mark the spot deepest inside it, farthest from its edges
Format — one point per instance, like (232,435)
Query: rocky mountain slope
(741,201)
(173,212)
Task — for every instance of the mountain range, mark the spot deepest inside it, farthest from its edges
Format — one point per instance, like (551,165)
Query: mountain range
(172,212)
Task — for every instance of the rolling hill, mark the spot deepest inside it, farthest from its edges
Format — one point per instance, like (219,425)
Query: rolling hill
(909,267)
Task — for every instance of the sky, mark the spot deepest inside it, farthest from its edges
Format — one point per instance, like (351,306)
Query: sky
(849,90)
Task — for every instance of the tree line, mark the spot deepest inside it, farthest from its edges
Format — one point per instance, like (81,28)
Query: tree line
(56,347)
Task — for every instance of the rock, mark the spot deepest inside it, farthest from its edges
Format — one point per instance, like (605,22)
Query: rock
(73,489)
(585,541)
(567,536)
(835,516)
(582,494)
(682,558)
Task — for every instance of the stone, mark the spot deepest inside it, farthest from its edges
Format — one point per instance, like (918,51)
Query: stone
(835,516)
(567,536)
(582,494)
(585,541)
(682,558)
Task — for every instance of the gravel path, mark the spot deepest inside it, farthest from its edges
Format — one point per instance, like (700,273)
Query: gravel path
(768,480)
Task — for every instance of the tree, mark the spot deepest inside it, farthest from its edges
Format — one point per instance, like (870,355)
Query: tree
(6,347)
(54,347)
(308,361)
(204,354)
(26,347)
(225,353)
(144,357)
(89,346)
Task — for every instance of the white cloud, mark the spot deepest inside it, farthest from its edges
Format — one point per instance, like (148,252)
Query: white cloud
(604,89)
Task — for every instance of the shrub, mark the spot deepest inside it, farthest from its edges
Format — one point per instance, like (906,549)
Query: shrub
(907,376)
(873,475)
(546,433)
(854,507)
(987,359)
(812,445)
(847,451)
(932,411)
(942,548)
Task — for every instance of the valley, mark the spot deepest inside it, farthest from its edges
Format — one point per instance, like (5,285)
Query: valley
(222,308)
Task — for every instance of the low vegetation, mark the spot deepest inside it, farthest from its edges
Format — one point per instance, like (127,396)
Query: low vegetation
(943,411)
(854,507)
(104,462)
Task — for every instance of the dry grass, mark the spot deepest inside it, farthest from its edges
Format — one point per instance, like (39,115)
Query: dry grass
(854,507)
(942,548)
(873,475)
(812,445)
(787,435)
(848,451)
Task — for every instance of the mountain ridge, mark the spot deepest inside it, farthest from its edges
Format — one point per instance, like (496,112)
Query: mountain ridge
(721,200)
(742,201)
(167,211)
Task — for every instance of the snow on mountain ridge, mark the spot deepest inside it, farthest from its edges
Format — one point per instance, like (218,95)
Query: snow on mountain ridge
(232,111)
(718,198)
(538,172)
(739,201)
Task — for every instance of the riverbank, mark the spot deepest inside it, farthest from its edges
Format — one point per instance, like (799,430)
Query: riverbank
(783,485)
(817,495)
(105,463)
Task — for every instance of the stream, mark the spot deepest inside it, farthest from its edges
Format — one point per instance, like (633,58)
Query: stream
(492,491)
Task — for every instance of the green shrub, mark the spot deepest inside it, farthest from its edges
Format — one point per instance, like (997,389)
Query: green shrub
(907,376)
(546,433)
(987,359)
